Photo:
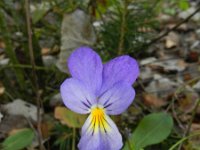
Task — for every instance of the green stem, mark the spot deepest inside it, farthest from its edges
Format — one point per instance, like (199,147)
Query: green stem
(9,49)
(182,140)
(123,28)
(130,147)
(24,66)
(73,138)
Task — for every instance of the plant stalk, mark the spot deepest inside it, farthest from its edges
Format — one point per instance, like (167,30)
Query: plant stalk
(33,65)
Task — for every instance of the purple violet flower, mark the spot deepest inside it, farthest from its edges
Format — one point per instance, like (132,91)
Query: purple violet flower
(99,90)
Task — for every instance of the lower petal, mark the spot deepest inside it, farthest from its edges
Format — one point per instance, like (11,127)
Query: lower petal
(100,137)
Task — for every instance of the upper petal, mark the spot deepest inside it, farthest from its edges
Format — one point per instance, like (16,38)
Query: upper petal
(123,68)
(118,98)
(86,65)
(76,97)
(110,140)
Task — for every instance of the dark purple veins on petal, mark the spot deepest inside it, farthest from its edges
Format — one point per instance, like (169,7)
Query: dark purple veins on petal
(86,105)
(105,103)
(83,108)
(108,105)
(88,102)
(101,122)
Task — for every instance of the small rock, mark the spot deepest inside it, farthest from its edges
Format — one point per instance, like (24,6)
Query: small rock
(195,45)
(161,86)
(76,31)
(1,116)
(171,65)
(20,107)
(49,60)
(56,100)
(197,86)
(4,62)
(145,73)
(147,60)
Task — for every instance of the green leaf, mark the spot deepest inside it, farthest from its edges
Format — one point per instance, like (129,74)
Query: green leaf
(18,141)
(153,129)
(40,11)
(184,5)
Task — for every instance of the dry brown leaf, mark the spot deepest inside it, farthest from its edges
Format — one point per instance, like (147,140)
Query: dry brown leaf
(46,128)
(172,40)
(170,43)
(2,89)
(2,44)
(181,63)
(14,131)
(195,127)
(153,100)
(182,27)
(11,122)
(68,117)
(187,101)
(45,51)
(185,117)
(193,56)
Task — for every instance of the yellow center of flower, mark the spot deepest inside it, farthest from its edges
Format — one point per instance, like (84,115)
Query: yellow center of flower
(98,120)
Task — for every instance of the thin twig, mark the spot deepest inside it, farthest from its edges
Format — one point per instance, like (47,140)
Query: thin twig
(192,118)
(174,28)
(123,29)
(36,86)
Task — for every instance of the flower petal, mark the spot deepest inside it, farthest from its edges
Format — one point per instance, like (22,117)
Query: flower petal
(86,65)
(117,99)
(123,68)
(76,97)
(110,140)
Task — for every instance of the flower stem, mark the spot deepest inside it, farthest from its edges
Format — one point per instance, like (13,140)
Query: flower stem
(73,138)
